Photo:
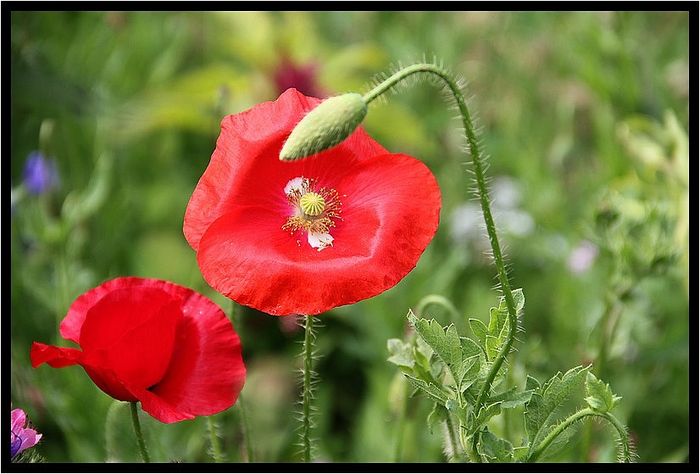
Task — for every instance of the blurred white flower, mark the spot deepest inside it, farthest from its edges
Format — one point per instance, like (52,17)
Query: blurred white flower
(582,257)
(467,223)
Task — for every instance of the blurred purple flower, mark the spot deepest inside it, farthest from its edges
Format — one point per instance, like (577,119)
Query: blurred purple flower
(40,173)
(582,257)
(22,437)
(300,76)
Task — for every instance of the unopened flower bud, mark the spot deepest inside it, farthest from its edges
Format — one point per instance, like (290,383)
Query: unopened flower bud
(331,122)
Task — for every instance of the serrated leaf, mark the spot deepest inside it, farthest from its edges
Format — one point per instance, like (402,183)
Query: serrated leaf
(493,345)
(484,415)
(437,415)
(540,411)
(479,330)
(495,449)
(401,353)
(430,389)
(446,344)
(453,407)
(532,384)
(520,453)
(498,317)
(599,395)
(512,398)
(469,348)
(470,371)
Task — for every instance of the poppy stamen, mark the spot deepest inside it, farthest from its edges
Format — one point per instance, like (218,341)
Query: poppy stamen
(314,211)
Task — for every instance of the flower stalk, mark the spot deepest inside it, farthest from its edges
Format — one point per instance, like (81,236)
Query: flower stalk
(479,173)
(214,441)
(137,431)
(625,448)
(307,389)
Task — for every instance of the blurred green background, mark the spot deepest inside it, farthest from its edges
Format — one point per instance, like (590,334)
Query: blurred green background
(584,116)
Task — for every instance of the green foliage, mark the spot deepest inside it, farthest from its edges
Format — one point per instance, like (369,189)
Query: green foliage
(447,368)
(542,409)
(143,93)
(599,396)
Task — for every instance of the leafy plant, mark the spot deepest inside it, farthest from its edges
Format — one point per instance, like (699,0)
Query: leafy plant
(452,370)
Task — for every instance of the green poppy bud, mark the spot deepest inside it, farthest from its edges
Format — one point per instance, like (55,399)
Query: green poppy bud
(331,122)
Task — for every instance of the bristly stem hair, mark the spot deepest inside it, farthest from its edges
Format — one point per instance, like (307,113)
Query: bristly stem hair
(307,394)
(137,432)
(479,173)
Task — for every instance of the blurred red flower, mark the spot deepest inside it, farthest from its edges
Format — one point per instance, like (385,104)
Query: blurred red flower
(304,237)
(302,77)
(155,342)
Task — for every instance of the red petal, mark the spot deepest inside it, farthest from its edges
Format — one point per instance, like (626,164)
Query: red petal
(132,333)
(207,372)
(54,356)
(73,322)
(391,206)
(247,156)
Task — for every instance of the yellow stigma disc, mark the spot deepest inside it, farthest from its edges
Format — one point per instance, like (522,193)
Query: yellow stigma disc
(312,204)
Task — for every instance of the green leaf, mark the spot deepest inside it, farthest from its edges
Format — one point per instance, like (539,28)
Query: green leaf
(479,330)
(401,353)
(499,316)
(483,417)
(495,449)
(430,389)
(511,398)
(469,348)
(540,411)
(599,395)
(436,416)
(532,384)
(520,453)
(493,345)
(470,371)
(446,344)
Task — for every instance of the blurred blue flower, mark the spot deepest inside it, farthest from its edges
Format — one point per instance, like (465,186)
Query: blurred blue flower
(40,173)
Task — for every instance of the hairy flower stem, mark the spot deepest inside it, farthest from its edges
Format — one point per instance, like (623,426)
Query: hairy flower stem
(214,441)
(478,164)
(579,415)
(453,441)
(307,395)
(245,428)
(137,431)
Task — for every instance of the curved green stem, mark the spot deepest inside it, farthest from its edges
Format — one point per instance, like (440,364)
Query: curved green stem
(137,431)
(214,440)
(307,395)
(437,300)
(478,164)
(626,450)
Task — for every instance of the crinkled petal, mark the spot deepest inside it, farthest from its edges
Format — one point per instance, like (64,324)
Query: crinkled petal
(29,438)
(207,372)
(56,357)
(73,322)
(19,419)
(247,157)
(391,207)
(132,333)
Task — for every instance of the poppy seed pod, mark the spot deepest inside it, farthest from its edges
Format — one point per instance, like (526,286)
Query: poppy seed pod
(325,126)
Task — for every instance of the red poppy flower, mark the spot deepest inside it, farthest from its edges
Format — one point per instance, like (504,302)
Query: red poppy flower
(153,341)
(306,236)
